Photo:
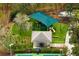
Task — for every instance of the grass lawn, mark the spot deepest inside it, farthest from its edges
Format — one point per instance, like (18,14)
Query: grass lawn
(59,35)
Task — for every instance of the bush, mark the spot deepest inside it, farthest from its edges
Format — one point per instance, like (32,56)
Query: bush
(48,50)
(19,47)
(73,39)
(65,50)
(76,50)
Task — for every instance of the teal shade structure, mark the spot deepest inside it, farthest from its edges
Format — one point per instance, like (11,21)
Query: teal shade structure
(44,18)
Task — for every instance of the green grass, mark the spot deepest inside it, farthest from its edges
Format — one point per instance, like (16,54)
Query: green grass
(20,31)
(19,37)
(59,35)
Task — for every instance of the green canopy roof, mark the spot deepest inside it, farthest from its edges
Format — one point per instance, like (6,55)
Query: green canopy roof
(44,18)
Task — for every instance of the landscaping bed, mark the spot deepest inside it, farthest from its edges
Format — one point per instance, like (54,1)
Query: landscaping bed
(43,51)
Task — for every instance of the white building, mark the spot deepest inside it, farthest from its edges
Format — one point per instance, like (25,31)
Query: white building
(41,38)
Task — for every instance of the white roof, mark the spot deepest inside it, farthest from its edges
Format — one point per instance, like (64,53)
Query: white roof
(65,14)
(41,34)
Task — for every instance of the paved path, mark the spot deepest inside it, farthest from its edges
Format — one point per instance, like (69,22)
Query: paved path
(69,46)
(60,45)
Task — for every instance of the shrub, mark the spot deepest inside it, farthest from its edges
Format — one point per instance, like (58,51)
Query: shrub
(19,47)
(50,50)
(75,36)
(75,50)
(73,39)
(65,50)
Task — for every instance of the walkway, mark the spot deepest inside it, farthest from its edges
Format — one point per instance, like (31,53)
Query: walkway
(60,45)
(69,46)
